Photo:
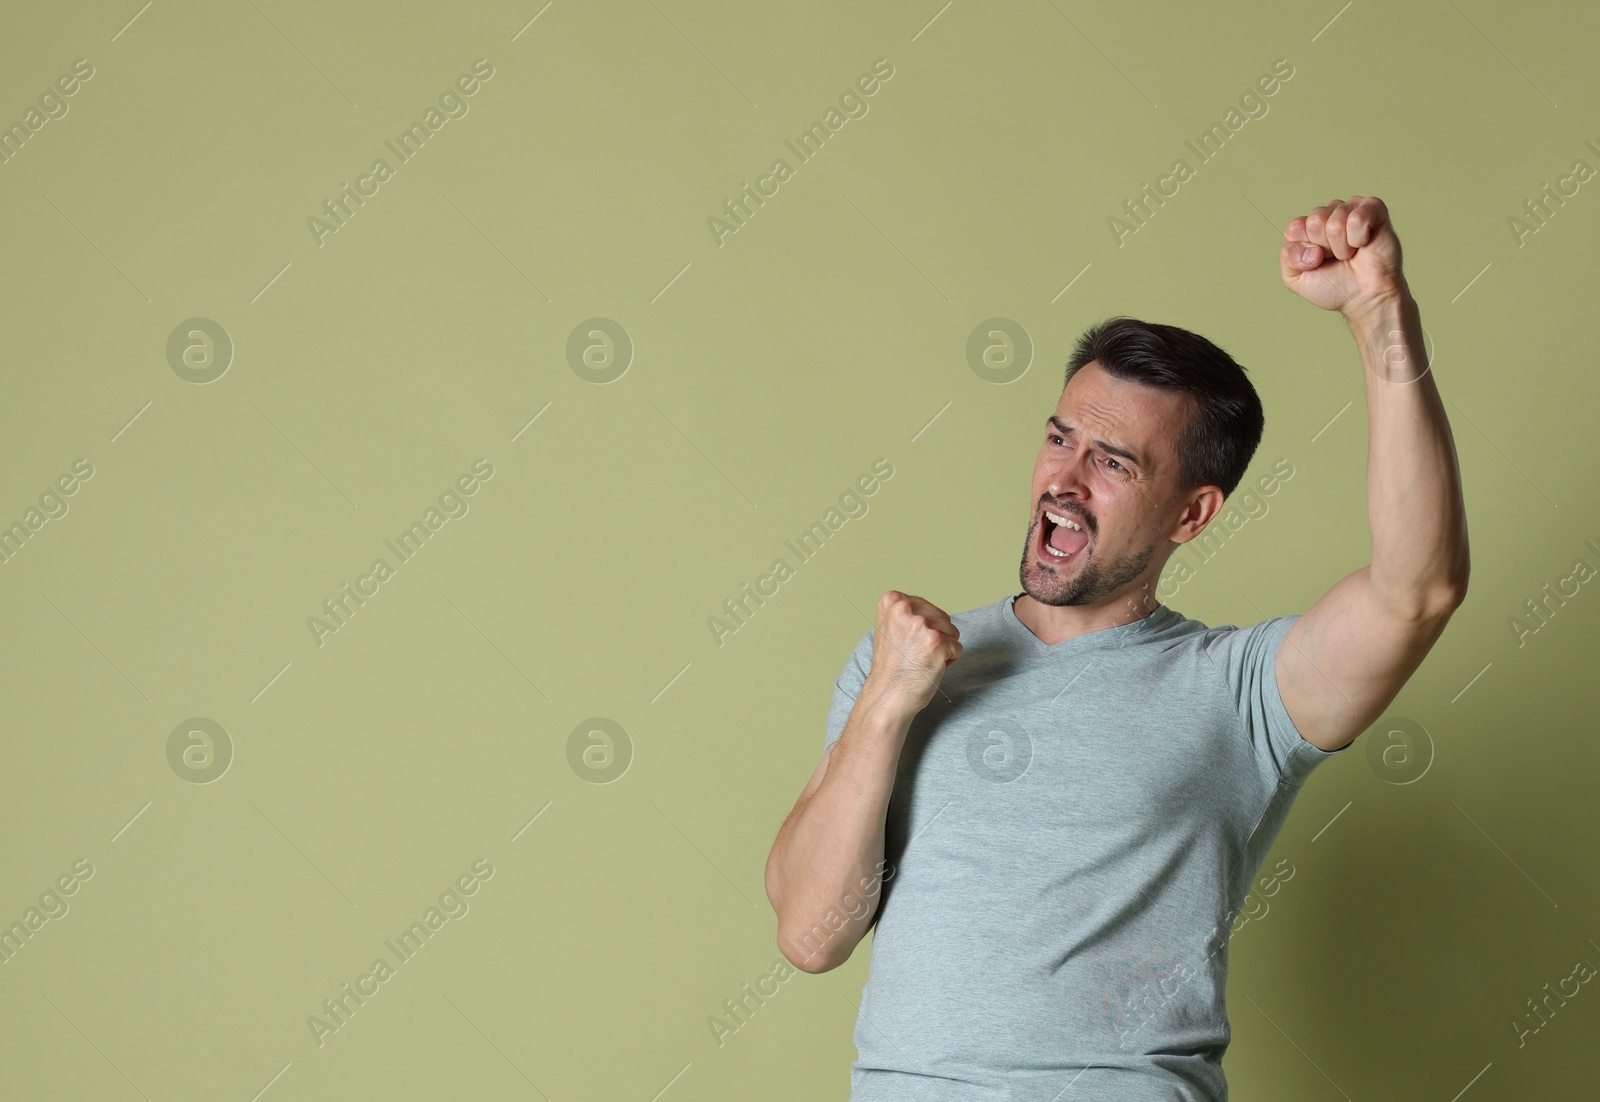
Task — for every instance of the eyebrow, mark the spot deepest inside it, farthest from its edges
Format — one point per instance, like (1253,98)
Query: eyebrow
(1103,445)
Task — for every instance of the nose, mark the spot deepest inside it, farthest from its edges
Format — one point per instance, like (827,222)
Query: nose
(1067,474)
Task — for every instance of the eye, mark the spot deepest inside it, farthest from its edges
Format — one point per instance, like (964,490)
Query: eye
(1122,473)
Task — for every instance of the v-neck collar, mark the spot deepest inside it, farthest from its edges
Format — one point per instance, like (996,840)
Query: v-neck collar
(1116,636)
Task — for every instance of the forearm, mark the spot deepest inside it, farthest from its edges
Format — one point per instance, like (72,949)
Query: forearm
(1414,505)
(824,875)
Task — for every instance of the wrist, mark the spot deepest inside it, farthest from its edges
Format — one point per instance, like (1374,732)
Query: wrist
(1388,331)
(1380,309)
(886,708)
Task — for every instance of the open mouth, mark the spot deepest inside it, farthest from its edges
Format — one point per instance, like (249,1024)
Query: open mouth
(1060,538)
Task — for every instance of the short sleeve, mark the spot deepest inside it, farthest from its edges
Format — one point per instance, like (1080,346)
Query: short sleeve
(1248,657)
(848,686)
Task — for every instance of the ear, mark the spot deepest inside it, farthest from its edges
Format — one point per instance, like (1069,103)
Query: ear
(1201,504)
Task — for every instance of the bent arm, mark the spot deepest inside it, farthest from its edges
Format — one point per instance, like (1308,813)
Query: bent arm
(1348,656)
(825,872)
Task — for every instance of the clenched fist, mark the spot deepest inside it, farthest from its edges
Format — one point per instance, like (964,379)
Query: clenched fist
(1344,256)
(913,643)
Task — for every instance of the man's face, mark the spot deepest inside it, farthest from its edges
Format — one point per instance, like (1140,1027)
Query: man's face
(1110,452)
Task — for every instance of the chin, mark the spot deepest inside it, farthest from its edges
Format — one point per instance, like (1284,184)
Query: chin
(1080,580)
(1052,586)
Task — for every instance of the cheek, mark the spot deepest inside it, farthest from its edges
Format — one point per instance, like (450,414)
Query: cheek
(1042,477)
(1128,525)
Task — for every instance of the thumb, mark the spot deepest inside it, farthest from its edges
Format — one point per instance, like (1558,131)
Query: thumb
(1303,255)
(1299,256)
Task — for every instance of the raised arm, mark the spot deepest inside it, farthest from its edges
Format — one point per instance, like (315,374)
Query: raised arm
(1346,658)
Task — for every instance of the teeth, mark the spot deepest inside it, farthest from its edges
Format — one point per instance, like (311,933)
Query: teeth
(1066,522)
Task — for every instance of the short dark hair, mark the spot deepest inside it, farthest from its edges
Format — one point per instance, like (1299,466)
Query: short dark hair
(1225,416)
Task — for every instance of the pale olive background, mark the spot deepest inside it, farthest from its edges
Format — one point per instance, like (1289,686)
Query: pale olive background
(768,374)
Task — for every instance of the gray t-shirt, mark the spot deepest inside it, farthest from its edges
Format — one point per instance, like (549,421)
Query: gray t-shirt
(1072,833)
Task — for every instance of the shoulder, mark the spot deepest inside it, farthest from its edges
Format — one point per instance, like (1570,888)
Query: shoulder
(1240,658)
(1262,635)
(1228,648)
(1199,633)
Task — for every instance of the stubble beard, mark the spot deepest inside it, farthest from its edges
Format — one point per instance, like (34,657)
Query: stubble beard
(1091,583)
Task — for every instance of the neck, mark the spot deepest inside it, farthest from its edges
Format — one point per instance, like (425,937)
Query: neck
(1055,623)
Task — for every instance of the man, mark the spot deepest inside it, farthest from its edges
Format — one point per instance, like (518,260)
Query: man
(1054,806)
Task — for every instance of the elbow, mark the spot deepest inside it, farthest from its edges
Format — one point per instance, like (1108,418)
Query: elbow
(815,965)
(1431,606)
(798,951)
(1434,601)
(1437,605)
(1453,594)
(811,950)
(1457,589)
